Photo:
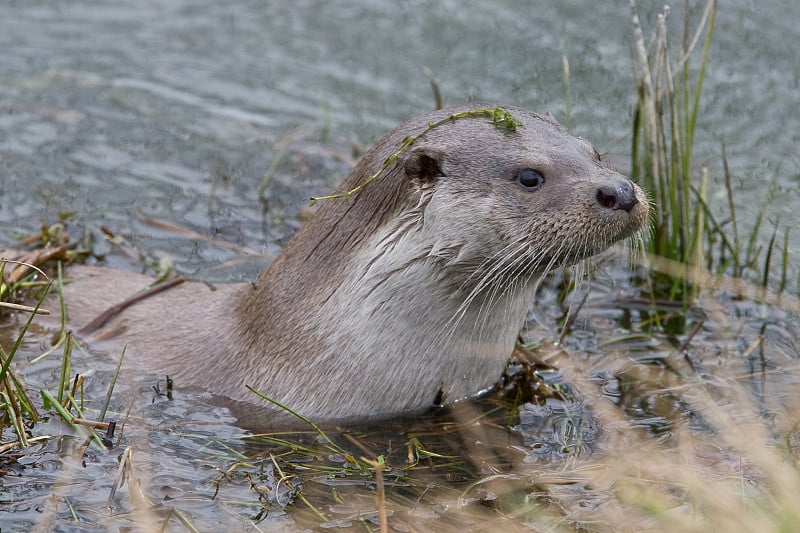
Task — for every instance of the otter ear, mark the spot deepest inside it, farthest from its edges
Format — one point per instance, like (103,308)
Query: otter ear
(550,118)
(423,164)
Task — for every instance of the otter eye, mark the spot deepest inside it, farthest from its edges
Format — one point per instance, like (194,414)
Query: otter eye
(530,179)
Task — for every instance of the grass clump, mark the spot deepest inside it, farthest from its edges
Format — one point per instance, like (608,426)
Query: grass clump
(664,127)
(685,231)
(16,406)
(17,409)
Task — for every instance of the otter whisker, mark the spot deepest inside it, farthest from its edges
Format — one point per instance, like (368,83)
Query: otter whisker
(490,278)
(516,263)
(502,286)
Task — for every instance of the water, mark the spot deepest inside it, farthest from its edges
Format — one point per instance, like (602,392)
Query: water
(109,108)
(178,110)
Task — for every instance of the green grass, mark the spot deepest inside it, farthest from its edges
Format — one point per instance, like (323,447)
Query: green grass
(664,126)
(685,229)
(17,409)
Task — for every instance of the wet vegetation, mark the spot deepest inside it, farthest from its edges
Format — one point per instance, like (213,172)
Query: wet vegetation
(689,423)
(686,232)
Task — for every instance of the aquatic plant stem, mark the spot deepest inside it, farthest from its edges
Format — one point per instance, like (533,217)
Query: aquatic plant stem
(500,118)
(315,427)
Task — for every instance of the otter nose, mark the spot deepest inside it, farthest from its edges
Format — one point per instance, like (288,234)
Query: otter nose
(617,195)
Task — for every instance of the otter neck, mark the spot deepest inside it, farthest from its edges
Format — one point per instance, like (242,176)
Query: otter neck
(391,308)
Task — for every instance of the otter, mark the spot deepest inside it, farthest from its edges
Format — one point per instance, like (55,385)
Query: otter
(411,288)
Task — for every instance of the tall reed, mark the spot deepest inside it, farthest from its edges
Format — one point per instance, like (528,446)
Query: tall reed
(663,140)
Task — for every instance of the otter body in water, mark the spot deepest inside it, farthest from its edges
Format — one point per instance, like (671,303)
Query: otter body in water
(412,289)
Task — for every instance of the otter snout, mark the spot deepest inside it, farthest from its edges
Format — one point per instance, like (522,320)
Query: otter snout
(619,194)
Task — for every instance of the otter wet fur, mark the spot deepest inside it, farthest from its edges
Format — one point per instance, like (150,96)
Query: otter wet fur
(413,288)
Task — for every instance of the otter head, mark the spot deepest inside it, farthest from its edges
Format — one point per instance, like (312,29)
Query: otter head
(470,205)
(493,204)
